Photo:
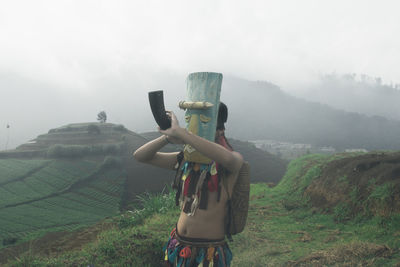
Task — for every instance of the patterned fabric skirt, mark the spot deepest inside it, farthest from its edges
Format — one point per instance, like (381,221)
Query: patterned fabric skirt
(188,252)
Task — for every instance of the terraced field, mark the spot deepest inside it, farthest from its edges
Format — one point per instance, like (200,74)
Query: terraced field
(53,195)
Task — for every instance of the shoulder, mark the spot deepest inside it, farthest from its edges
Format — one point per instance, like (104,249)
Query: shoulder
(236,162)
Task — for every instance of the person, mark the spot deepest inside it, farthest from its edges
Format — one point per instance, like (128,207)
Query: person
(199,236)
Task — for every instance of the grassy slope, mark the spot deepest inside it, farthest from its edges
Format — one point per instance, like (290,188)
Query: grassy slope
(58,193)
(282,230)
(50,199)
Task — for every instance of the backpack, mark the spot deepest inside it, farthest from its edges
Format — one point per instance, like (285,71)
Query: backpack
(238,202)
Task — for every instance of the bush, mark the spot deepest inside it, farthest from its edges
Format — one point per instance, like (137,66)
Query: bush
(73,151)
(67,151)
(93,129)
(120,128)
(382,192)
(150,204)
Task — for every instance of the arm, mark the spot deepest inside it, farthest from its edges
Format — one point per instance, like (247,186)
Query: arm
(148,153)
(231,160)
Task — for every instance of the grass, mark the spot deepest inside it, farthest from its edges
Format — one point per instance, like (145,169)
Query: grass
(276,234)
(148,204)
(301,172)
(382,192)
(136,239)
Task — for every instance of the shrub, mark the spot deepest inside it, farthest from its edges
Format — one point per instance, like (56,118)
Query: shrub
(382,192)
(379,201)
(150,204)
(93,129)
(120,128)
(67,151)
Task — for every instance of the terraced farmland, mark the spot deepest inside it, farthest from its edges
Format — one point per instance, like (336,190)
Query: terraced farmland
(53,195)
(12,169)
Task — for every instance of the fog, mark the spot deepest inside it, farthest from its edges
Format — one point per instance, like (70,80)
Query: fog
(64,61)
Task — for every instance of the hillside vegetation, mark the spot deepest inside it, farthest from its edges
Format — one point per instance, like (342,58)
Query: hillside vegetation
(64,180)
(77,175)
(285,225)
(57,195)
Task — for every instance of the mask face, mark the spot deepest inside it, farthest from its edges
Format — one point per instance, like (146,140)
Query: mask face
(202,87)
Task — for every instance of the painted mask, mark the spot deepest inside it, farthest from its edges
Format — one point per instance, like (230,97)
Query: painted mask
(201,105)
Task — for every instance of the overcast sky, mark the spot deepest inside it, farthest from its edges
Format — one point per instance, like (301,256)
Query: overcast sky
(86,47)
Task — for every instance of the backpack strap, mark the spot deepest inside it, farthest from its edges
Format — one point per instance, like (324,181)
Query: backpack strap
(177,184)
(229,217)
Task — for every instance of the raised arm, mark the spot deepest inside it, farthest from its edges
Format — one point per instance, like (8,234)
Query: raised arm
(231,160)
(149,153)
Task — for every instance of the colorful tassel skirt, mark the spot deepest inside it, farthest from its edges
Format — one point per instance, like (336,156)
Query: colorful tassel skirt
(185,252)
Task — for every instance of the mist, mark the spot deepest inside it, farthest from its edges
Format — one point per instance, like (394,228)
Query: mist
(63,62)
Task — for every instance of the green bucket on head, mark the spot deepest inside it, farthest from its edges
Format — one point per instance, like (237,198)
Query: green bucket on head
(201,104)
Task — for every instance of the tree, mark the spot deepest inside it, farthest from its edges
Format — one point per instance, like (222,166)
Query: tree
(102,117)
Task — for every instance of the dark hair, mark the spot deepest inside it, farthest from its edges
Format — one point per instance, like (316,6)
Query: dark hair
(222,116)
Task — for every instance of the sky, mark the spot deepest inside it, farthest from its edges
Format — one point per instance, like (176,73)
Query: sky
(63,60)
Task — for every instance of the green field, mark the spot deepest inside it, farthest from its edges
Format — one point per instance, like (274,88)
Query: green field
(12,169)
(38,196)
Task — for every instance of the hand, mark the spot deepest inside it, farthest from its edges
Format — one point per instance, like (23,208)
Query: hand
(172,132)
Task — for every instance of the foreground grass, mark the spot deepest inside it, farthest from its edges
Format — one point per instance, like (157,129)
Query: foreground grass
(275,236)
(282,230)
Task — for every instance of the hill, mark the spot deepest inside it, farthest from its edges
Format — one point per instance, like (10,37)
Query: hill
(285,226)
(261,110)
(73,176)
(355,93)
(368,184)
